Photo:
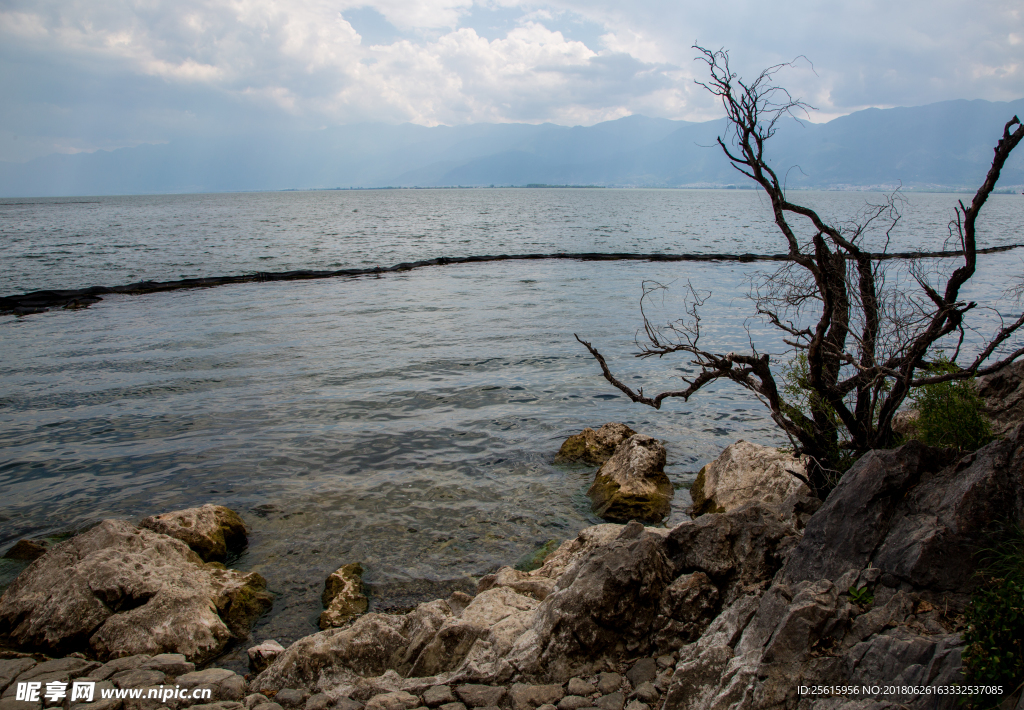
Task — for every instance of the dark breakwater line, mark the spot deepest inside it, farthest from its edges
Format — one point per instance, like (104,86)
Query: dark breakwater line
(40,301)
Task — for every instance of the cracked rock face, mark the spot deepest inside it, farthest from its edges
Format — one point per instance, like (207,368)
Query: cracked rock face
(118,589)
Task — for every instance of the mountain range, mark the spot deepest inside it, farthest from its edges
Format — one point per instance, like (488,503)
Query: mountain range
(946,145)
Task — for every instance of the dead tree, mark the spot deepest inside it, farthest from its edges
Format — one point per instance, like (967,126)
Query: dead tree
(861,340)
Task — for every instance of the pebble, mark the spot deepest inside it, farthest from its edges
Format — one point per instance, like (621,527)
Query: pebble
(609,682)
(578,686)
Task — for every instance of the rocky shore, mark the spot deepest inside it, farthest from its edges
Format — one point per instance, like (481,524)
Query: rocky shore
(765,592)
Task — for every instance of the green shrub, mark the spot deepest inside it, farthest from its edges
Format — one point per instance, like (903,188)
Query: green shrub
(994,639)
(950,413)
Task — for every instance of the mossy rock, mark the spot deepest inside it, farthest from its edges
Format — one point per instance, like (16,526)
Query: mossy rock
(593,447)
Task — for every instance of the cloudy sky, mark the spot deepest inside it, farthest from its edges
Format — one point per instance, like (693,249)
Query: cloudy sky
(81,75)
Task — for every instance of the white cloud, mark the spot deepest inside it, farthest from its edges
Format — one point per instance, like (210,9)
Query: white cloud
(291,60)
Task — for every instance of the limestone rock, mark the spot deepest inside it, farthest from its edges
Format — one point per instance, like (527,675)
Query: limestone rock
(743,473)
(480,696)
(528,697)
(737,550)
(262,655)
(118,589)
(536,586)
(438,695)
(371,645)
(605,604)
(1003,392)
(632,484)
(914,513)
(343,596)
(593,447)
(212,531)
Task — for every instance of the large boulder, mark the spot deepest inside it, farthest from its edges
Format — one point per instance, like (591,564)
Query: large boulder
(739,551)
(917,514)
(746,473)
(1003,392)
(593,447)
(343,597)
(632,484)
(212,531)
(605,606)
(119,589)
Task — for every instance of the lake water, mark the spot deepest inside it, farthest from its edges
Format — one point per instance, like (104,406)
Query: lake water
(406,422)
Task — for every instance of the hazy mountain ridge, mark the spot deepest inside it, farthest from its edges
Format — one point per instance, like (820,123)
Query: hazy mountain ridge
(943,145)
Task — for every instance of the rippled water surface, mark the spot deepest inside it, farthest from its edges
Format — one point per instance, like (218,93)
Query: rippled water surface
(406,422)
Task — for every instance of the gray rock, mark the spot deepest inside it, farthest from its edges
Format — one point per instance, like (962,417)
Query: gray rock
(212,531)
(371,646)
(347,704)
(479,696)
(118,589)
(67,668)
(11,668)
(320,701)
(643,671)
(117,665)
(438,695)
(608,683)
(291,698)
(632,484)
(744,473)
(612,701)
(738,551)
(636,705)
(665,661)
(528,697)
(137,678)
(578,686)
(343,597)
(913,517)
(646,692)
(253,699)
(1003,392)
(844,534)
(262,655)
(606,605)
(593,447)
(170,664)
(224,684)
(574,702)
(395,700)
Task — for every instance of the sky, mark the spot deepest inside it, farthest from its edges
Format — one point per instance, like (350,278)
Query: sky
(83,75)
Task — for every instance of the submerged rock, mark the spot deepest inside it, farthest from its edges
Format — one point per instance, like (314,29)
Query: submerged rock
(118,589)
(745,473)
(212,531)
(632,484)
(593,447)
(26,550)
(343,596)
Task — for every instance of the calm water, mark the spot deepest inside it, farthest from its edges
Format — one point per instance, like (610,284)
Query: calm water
(406,422)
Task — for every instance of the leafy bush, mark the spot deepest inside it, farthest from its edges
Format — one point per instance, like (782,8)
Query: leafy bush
(994,639)
(950,413)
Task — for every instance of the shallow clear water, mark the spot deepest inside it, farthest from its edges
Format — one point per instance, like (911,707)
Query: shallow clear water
(406,422)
